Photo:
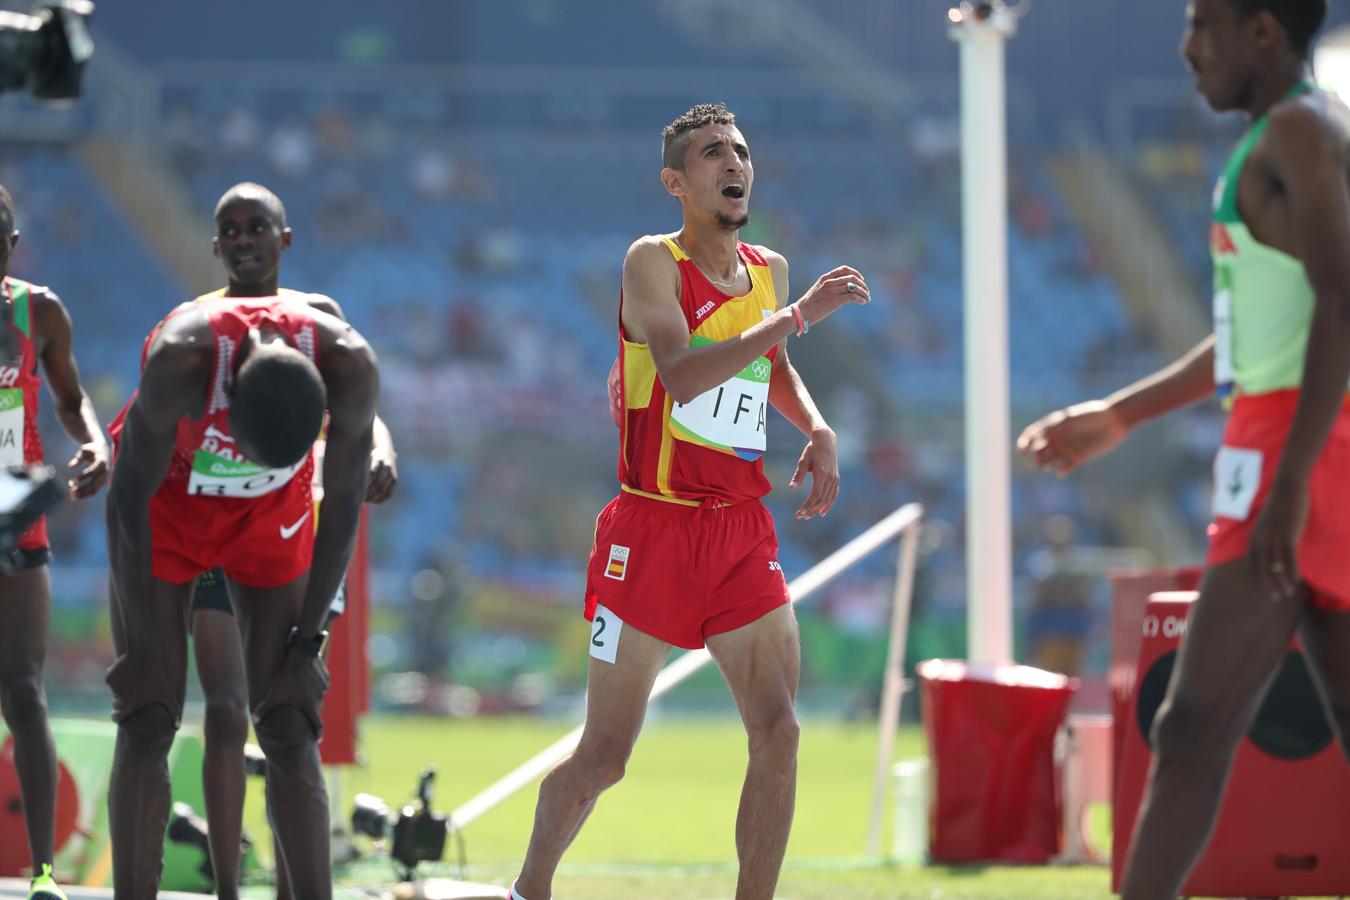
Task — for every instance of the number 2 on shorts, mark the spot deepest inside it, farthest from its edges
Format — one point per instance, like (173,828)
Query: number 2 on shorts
(605,631)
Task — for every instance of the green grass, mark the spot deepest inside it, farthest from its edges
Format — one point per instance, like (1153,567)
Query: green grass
(667,830)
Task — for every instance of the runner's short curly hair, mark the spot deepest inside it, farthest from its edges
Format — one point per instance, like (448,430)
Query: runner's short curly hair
(675,136)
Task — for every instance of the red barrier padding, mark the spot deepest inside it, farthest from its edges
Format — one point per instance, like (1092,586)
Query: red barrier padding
(14,858)
(1283,827)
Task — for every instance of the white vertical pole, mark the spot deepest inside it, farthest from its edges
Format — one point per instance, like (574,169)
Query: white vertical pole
(981,31)
(893,686)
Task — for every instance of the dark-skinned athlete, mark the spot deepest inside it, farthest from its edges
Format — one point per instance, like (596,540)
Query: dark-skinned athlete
(250,227)
(213,468)
(35,330)
(1279,358)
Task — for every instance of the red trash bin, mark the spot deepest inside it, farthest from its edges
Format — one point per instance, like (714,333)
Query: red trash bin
(991,739)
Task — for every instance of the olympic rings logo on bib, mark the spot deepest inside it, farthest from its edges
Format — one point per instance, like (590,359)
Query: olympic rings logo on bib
(11,427)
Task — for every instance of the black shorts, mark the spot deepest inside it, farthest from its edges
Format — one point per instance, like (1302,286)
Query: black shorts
(24,558)
(209,592)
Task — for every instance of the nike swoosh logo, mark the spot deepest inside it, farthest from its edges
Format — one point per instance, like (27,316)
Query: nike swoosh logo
(287,532)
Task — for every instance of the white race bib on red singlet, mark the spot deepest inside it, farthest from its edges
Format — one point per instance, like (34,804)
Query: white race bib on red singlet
(11,427)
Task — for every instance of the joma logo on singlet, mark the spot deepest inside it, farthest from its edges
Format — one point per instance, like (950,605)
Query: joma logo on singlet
(705,309)
(9,376)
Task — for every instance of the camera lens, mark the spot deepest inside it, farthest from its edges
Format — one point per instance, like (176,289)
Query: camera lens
(370,816)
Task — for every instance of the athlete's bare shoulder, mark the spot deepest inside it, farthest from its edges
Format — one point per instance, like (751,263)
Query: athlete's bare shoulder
(47,308)
(183,336)
(651,251)
(178,365)
(650,269)
(343,353)
(777,261)
(1315,122)
(322,302)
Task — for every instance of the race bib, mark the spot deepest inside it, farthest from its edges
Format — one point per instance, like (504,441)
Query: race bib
(216,476)
(605,630)
(1223,342)
(11,427)
(1237,478)
(732,416)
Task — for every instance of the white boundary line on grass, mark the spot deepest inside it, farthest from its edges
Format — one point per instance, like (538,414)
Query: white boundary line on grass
(905,519)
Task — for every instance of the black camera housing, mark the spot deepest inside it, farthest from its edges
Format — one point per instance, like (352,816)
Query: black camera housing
(416,835)
(45,52)
(419,836)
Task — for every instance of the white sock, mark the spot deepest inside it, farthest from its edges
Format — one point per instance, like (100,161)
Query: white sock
(516,895)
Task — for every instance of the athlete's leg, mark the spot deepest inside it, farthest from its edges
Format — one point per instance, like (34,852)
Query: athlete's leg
(138,788)
(616,703)
(25,614)
(761,662)
(1326,638)
(220,667)
(297,799)
(1236,636)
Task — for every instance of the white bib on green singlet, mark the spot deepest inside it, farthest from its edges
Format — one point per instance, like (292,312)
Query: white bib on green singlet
(11,427)
(216,476)
(732,416)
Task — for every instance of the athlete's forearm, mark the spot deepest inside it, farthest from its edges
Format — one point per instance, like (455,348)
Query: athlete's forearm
(690,371)
(345,469)
(788,395)
(80,421)
(1326,373)
(1186,381)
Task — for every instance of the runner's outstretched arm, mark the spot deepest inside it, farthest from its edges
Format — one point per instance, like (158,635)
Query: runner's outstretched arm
(73,408)
(1067,438)
(651,316)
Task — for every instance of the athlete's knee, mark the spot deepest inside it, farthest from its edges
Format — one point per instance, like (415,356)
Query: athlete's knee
(602,764)
(226,722)
(149,729)
(1184,730)
(284,731)
(23,701)
(777,734)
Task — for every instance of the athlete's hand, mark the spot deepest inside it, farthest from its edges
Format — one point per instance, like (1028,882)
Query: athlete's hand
(1067,438)
(831,291)
(301,681)
(137,682)
(820,460)
(613,384)
(383,474)
(1273,547)
(92,462)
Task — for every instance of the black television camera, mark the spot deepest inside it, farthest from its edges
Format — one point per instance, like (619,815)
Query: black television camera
(46,50)
(416,835)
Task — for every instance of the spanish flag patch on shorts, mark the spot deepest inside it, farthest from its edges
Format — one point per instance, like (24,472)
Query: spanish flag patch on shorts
(618,562)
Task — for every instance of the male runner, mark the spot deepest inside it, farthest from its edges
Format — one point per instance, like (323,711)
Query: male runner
(214,466)
(250,222)
(1280,356)
(686,555)
(35,328)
